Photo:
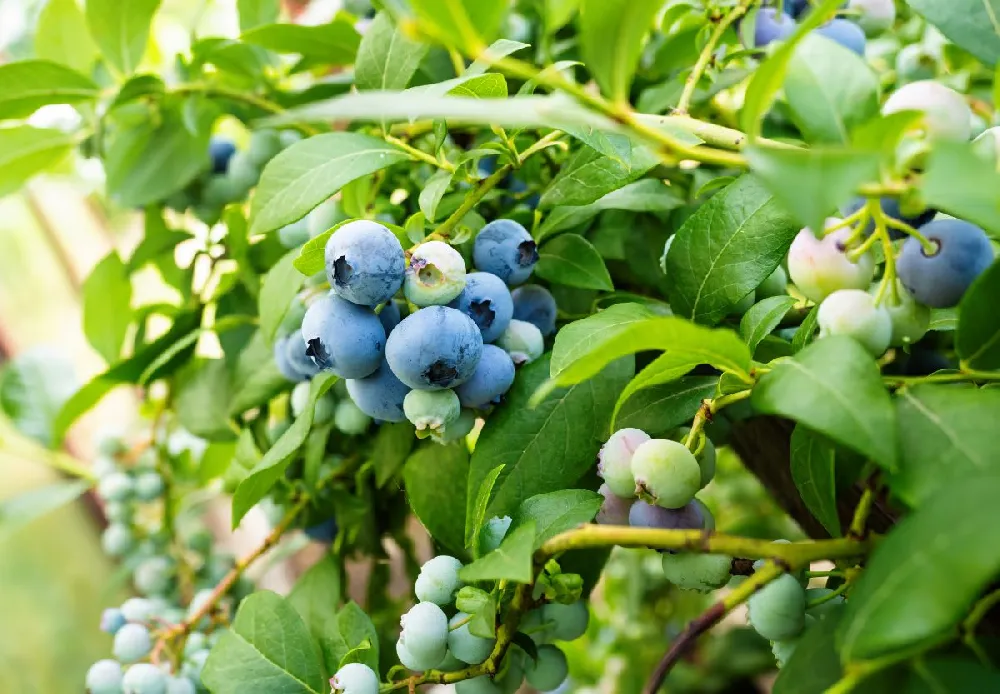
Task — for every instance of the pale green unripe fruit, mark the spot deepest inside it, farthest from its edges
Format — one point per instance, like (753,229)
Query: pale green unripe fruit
(706,458)
(418,663)
(698,572)
(819,267)
(568,622)
(465,645)
(523,341)
(853,313)
(874,16)
(456,429)
(910,320)
(349,419)
(438,581)
(778,610)
(477,685)
(144,678)
(132,642)
(435,275)
(425,632)
(431,410)
(783,650)
(667,472)
(355,678)
(548,671)
(614,461)
(946,114)
(511,672)
(104,677)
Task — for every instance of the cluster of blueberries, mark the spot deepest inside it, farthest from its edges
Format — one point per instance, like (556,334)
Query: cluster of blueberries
(778,22)
(435,634)
(231,174)
(651,483)
(455,352)
(132,492)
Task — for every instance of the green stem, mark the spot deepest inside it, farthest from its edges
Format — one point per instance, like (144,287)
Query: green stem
(443,232)
(959,377)
(840,590)
(863,510)
(420,155)
(971,623)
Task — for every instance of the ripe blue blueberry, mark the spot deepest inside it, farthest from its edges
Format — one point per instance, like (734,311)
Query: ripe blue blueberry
(778,610)
(342,337)
(493,377)
(487,301)
(614,461)
(282,361)
(117,486)
(941,280)
(365,263)
(874,16)
(465,645)
(535,304)
(154,576)
(144,678)
(431,410)
(132,643)
(380,395)
(697,572)
(355,678)
(846,33)
(568,622)
(104,677)
(893,209)
(666,472)
(819,267)
(946,114)
(390,316)
(323,532)
(548,671)
(350,419)
(180,685)
(772,25)
(117,540)
(505,248)
(148,486)
(853,312)
(112,620)
(614,509)
(138,609)
(435,275)
(297,352)
(220,151)
(646,515)
(438,581)
(425,632)
(523,342)
(435,348)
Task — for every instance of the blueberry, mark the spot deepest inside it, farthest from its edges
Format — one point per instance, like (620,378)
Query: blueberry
(194,663)
(350,419)
(438,581)
(853,312)
(117,486)
(493,533)
(771,26)
(287,138)
(535,304)
(390,316)
(706,458)
(487,301)
(522,341)
(946,114)
(435,348)
(153,576)
(614,461)
(195,642)
(874,16)
(914,63)
(778,610)
(132,643)
(435,275)
(477,685)
(264,146)
(148,486)
(323,532)
(144,678)
(243,172)
(119,512)
(910,320)
(487,165)
(180,685)
(342,337)
(365,263)
(892,208)
(941,280)
(104,677)
(646,515)
(430,410)
(493,377)
(505,248)
(380,395)
(614,509)
(794,8)
(117,539)
(456,429)
(298,358)
(138,609)
(548,671)
(846,33)
(282,361)
(465,645)
(819,267)
(112,620)
(418,663)
(355,678)
(569,622)
(220,151)
(698,572)
(425,632)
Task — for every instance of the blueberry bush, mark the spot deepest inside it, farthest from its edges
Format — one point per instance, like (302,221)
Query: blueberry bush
(554,277)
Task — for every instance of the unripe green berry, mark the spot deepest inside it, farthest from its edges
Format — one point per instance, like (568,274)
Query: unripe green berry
(548,671)
(104,677)
(153,576)
(523,341)
(778,610)
(910,320)
(349,419)
(180,685)
(493,533)
(698,572)
(144,678)
(853,313)
(132,642)
(813,594)
(569,622)
(413,662)
(117,486)
(431,410)
(425,632)
(457,429)
(355,678)
(706,457)
(435,275)
(614,461)
(117,540)
(438,581)
(667,472)
(819,267)
(148,486)
(465,645)
(477,685)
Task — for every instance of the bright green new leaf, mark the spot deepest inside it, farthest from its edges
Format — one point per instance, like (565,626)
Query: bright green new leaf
(20,510)
(26,151)
(962,183)
(612,33)
(387,58)
(335,43)
(121,29)
(647,195)
(762,318)
(589,175)
(62,36)
(107,306)
(467,24)
(666,368)
(510,561)
(436,479)
(316,595)
(573,261)
(255,13)
(556,512)
(476,507)
(27,85)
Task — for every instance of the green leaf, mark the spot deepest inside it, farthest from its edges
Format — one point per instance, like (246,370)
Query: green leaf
(107,306)
(267,651)
(260,480)
(612,34)
(549,447)
(510,561)
(468,24)
(147,162)
(558,13)
(815,665)
(940,558)
(315,596)
(279,286)
(834,387)
(556,512)
(647,195)
(390,449)
(387,58)
(436,479)
(580,338)
(762,318)
(590,175)
(489,86)
(359,635)
(27,85)
(335,43)
(830,90)
(34,386)
(254,13)
(726,249)
(978,338)
(201,398)
(257,378)
(61,36)
(500,48)
(572,260)
(804,334)
(121,28)
(971,24)
(432,192)
(310,171)
(667,367)
(20,510)
(26,151)
(814,183)
(815,475)
(476,508)
(963,184)
(945,435)
(659,409)
(482,607)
